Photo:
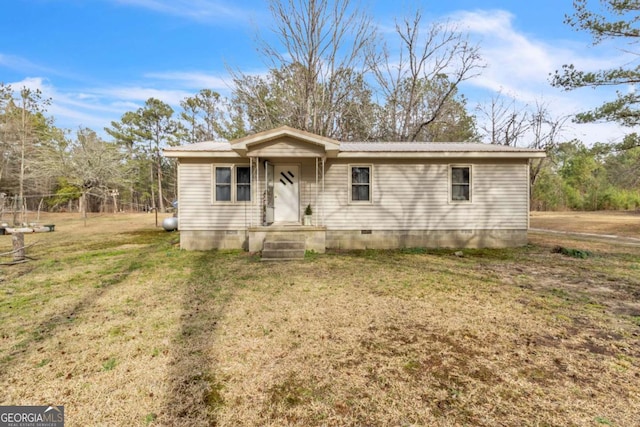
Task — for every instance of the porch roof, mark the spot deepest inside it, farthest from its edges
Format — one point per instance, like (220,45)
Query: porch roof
(244,145)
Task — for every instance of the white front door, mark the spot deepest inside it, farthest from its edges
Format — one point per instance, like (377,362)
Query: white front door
(287,205)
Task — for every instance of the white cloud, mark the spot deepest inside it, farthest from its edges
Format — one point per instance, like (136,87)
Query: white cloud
(125,105)
(33,83)
(520,66)
(192,80)
(21,64)
(70,110)
(96,107)
(197,10)
(496,22)
(141,94)
(73,118)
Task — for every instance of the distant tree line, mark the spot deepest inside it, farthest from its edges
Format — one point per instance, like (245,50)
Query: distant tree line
(328,73)
(577,177)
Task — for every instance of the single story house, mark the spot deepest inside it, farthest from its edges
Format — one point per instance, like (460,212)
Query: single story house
(381,195)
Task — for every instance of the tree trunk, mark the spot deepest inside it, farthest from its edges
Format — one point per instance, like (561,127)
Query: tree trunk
(160,192)
(153,193)
(39,209)
(82,206)
(17,239)
(23,147)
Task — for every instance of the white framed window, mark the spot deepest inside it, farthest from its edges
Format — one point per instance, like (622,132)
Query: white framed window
(360,183)
(231,183)
(222,183)
(460,183)
(243,184)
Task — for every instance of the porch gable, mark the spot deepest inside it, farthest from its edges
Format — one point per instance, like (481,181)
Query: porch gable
(288,141)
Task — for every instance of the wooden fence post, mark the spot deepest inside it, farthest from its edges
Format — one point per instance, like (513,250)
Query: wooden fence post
(18,246)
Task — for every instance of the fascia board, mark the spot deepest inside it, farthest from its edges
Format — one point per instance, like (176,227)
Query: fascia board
(441,155)
(201,154)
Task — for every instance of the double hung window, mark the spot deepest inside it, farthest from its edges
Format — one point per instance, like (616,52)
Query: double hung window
(232,184)
(460,177)
(243,184)
(360,183)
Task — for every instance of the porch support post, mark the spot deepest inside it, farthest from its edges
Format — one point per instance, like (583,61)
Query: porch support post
(323,195)
(251,170)
(315,219)
(256,202)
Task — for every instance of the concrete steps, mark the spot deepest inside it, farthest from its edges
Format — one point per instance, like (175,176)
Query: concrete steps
(283,250)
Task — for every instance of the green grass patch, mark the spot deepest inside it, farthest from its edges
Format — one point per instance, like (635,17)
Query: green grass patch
(604,421)
(571,252)
(109,364)
(290,392)
(150,418)
(43,362)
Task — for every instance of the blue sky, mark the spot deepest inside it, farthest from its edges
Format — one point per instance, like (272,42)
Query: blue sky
(97,59)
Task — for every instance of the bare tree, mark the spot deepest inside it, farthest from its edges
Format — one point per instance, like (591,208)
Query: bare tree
(88,164)
(546,130)
(418,81)
(320,45)
(502,122)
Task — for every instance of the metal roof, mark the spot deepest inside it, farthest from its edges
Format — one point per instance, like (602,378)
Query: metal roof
(203,146)
(373,147)
(333,148)
(400,150)
(429,147)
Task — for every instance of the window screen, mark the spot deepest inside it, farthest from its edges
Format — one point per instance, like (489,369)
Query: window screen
(243,184)
(460,183)
(223,184)
(360,183)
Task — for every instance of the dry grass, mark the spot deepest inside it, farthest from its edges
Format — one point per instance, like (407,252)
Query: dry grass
(620,223)
(121,327)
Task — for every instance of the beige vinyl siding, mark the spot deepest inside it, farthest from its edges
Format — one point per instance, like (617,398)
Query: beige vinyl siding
(308,186)
(406,195)
(287,147)
(409,195)
(196,210)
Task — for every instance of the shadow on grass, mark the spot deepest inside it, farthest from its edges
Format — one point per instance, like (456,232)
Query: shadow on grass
(194,392)
(108,277)
(47,328)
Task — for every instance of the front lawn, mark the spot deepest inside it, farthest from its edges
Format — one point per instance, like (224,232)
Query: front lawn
(123,328)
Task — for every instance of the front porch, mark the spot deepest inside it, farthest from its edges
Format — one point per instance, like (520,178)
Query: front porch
(314,237)
(287,169)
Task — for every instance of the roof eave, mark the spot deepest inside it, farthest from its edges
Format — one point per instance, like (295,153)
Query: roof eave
(335,153)
(201,154)
(441,155)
